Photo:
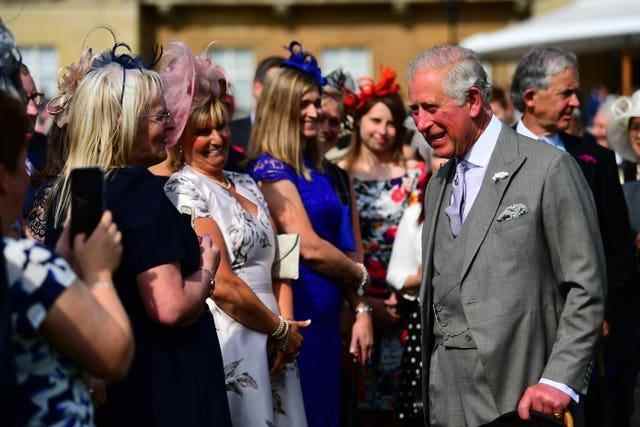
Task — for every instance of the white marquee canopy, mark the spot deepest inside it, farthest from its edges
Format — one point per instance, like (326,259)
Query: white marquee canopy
(582,26)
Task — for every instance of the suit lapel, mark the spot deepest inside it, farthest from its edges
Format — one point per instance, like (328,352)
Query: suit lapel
(428,238)
(505,158)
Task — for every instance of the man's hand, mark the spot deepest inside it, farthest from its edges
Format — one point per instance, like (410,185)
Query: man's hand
(542,398)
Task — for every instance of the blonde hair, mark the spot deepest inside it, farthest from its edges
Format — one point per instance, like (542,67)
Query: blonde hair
(277,129)
(214,112)
(102,132)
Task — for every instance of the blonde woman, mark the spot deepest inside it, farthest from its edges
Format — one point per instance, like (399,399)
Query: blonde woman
(230,207)
(287,163)
(118,121)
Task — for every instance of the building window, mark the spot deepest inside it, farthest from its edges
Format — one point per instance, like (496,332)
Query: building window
(239,64)
(356,61)
(43,65)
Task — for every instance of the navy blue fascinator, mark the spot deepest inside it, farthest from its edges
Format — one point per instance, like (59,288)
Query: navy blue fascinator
(126,60)
(304,62)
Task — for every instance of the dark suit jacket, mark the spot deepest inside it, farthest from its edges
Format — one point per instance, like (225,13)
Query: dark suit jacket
(632,196)
(241,132)
(598,165)
(240,136)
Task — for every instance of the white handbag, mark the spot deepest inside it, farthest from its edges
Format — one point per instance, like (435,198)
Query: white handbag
(287,262)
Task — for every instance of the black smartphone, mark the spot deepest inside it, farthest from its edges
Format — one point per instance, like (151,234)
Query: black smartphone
(87,200)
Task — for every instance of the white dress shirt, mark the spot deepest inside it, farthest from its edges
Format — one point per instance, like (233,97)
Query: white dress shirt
(552,139)
(478,159)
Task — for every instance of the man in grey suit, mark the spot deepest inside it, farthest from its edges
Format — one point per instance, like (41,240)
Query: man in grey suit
(513,273)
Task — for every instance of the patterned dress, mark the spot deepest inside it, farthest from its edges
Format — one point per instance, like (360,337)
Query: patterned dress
(381,204)
(255,398)
(315,296)
(50,386)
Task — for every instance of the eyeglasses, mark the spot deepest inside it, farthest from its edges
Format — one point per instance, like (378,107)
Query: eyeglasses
(163,117)
(37,98)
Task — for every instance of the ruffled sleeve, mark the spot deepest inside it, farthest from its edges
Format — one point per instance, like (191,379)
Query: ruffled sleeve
(269,169)
(186,197)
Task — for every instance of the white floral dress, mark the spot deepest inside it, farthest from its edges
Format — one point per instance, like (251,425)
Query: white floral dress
(51,390)
(255,398)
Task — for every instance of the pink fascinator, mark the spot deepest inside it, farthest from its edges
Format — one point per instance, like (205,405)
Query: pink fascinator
(68,80)
(189,82)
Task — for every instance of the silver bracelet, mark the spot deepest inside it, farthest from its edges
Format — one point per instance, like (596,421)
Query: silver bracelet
(364,280)
(285,339)
(363,307)
(281,330)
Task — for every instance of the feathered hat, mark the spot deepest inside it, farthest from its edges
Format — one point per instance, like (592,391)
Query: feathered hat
(189,82)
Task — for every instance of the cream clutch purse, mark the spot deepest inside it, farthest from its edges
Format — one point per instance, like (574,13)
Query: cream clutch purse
(287,262)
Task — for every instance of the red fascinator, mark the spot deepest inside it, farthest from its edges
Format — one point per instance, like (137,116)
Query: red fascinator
(368,89)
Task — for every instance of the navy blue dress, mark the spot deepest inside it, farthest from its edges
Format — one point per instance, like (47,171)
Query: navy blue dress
(316,296)
(177,376)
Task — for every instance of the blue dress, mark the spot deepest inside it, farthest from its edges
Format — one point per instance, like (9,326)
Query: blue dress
(315,296)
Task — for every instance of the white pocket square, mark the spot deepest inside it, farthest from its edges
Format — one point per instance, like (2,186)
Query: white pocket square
(512,212)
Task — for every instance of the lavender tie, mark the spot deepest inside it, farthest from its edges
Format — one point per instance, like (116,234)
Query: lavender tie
(458,195)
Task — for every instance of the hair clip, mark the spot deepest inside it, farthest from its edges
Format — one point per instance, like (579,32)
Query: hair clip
(304,62)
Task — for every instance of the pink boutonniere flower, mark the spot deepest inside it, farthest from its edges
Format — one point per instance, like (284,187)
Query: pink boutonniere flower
(588,158)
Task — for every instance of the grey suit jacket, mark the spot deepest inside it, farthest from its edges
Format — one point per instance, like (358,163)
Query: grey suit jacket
(532,287)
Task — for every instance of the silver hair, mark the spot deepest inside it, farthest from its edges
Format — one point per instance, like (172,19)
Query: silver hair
(466,71)
(536,68)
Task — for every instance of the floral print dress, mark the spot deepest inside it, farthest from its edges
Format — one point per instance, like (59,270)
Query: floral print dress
(255,398)
(381,204)
(52,383)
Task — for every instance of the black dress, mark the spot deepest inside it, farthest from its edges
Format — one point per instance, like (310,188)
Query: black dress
(177,376)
